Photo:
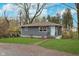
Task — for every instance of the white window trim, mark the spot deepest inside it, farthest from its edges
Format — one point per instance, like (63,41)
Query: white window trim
(43,30)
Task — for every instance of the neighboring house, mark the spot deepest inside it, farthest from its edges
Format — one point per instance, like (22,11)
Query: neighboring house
(41,29)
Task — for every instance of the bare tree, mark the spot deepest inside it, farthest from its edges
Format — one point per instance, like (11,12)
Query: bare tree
(20,17)
(26,7)
(4,25)
(6,18)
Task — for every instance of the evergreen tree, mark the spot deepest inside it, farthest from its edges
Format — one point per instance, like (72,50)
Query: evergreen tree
(68,22)
(44,19)
(54,19)
(67,19)
(49,18)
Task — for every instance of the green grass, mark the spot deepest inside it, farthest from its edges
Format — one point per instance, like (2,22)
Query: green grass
(19,40)
(71,46)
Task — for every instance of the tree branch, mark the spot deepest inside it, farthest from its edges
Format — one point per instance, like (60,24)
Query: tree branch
(37,12)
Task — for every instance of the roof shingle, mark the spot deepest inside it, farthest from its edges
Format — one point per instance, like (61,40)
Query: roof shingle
(42,24)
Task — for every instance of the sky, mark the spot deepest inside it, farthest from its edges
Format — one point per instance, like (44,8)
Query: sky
(51,9)
(60,8)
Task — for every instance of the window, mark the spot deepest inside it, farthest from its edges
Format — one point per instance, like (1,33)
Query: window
(42,28)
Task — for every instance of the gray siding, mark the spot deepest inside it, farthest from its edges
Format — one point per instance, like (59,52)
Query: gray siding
(34,31)
(52,31)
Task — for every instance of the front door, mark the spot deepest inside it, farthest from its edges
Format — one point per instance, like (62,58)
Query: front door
(52,31)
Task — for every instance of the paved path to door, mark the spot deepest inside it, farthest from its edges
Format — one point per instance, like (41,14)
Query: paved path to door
(28,50)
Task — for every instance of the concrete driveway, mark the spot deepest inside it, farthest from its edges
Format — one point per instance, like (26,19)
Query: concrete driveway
(28,50)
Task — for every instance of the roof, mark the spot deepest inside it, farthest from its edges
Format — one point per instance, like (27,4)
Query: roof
(42,24)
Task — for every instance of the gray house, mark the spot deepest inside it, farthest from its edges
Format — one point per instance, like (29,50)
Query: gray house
(41,29)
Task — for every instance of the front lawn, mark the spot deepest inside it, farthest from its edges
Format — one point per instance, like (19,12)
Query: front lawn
(20,40)
(71,46)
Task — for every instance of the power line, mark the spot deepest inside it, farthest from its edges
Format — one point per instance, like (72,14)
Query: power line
(72,8)
(69,6)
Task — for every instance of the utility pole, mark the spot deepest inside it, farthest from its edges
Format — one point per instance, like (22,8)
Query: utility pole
(77,6)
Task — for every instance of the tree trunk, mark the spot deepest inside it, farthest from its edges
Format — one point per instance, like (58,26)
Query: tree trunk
(77,6)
